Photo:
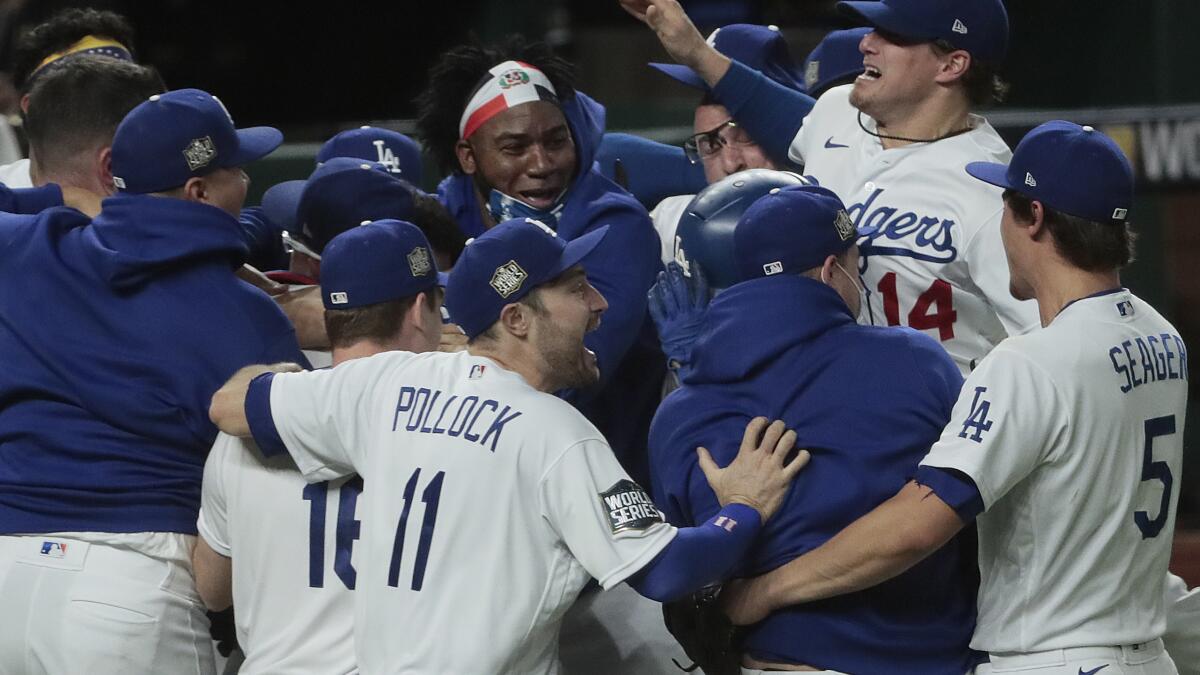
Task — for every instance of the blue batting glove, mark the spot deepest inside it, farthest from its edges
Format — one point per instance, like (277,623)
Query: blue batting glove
(677,305)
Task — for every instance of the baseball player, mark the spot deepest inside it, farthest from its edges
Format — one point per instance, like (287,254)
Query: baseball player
(519,141)
(892,146)
(116,330)
(380,289)
(474,472)
(792,257)
(73,31)
(399,153)
(1064,446)
(719,143)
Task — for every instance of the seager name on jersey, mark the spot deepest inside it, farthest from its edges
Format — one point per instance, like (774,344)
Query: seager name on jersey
(928,238)
(425,411)
(1149,358)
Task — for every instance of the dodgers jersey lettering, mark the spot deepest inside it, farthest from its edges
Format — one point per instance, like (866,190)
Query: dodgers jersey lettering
(929,233)
(486,507)
(1074,436)
(293,548)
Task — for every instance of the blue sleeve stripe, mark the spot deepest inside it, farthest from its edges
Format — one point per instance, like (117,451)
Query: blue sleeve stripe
(699,556)
(258,416)
(955,488)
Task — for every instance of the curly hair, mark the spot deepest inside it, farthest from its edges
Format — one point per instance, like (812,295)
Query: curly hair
(456,75)
(63,30)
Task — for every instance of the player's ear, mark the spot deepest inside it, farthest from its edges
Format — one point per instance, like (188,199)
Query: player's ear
(416,315)
(1037,220)
(954,66)
(466,157)
(195,189)
(515,319)
(104,166)
(827,269)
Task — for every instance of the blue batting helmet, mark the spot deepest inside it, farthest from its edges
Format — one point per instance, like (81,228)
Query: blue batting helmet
(705,231)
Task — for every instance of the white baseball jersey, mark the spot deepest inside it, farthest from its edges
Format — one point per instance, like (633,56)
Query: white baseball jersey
(666,217)
(929,233)
(1074,436)
(293,554)
(487,506)
(16,174)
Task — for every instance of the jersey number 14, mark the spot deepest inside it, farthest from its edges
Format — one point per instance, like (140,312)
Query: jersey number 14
(933,309)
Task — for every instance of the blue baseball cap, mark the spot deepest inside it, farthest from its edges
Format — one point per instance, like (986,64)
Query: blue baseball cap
(791,230)
(376,262)
(836,57)
(179,135)
(761,48)
(978,26)
(504,264)
(399,153)
(1073,169)
(337,196)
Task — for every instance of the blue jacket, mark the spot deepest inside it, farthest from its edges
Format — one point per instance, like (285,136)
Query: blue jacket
(622,268)
(867,402)
(115,334)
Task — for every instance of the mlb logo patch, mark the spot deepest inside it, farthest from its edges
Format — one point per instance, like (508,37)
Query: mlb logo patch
(772,268)
(1125,308)
(725,523)
(54,549)
(1119,214)
(476,372)
(338,298)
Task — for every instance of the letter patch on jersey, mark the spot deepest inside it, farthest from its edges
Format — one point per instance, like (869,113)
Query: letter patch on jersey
(630,510)
(977,420)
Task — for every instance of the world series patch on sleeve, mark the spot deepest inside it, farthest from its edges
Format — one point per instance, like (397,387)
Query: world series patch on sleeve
(630,510)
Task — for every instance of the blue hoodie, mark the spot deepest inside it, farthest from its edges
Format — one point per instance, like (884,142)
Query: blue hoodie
(868,402)
(115,334)
(622,268)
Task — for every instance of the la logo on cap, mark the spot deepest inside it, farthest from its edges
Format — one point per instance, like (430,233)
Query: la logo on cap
(959,27)
(199,152)
(1029,180)
(418,262)
(508,278)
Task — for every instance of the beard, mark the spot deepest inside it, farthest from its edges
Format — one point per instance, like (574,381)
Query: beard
(571,365)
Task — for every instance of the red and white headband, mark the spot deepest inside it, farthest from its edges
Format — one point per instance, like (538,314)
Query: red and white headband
(507,85)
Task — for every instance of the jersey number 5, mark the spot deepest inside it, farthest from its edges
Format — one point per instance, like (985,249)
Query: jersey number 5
(939,296)
(1160,471)
(347,532)
(430,496)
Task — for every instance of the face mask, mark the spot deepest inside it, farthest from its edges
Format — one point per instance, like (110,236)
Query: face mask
(503,207)
(864,297)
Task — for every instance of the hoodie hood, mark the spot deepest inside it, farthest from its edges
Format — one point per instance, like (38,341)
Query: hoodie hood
(586,119)
(136,237)
(731,349)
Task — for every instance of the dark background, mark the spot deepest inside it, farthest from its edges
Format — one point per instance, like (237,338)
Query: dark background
(304,66)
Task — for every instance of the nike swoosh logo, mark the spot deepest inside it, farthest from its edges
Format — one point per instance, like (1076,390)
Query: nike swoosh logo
(1093,671)
(830,144)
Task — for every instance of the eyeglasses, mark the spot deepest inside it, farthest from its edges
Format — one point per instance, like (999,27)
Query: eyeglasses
(293,245)
(709,143)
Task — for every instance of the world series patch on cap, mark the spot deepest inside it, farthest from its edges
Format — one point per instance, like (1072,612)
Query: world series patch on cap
(179,135)
(504,264)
